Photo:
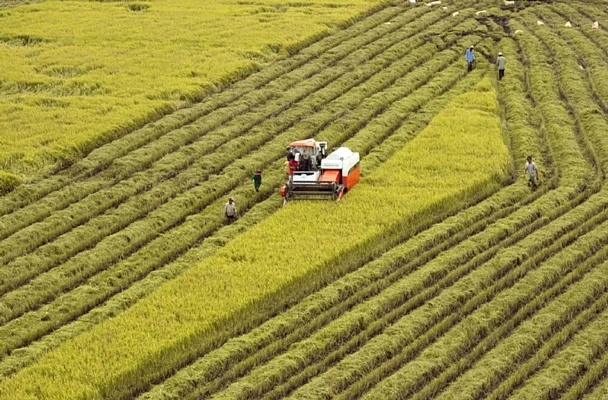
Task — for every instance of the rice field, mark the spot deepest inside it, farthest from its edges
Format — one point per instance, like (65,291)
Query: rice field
(442,275)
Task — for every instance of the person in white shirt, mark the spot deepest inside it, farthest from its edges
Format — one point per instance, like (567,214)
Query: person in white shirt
(230,211)
(532,171)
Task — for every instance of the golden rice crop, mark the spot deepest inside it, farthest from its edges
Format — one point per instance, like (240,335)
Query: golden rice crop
(460,151)
(82,73)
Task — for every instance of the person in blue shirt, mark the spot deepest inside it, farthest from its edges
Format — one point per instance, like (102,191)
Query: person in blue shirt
(469,55)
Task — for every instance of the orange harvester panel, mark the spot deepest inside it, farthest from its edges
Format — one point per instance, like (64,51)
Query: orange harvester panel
(352,179)
(330,175)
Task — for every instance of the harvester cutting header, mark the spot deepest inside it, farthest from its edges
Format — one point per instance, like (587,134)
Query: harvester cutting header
(314,175)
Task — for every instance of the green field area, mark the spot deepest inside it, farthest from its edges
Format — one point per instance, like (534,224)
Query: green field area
(81,73)
(442,275)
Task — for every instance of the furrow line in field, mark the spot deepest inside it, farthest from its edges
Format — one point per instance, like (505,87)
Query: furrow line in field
(563,368)
(565,326)
(495,272)
(550,325)
(589,127)
(188,145)
(592,16)
(193,180)
(101,158)
(354,297)
(572,182)
(589,379)
(593,64)
(484,312)
(22,266)
(55,320)
(207,381)
(597,142)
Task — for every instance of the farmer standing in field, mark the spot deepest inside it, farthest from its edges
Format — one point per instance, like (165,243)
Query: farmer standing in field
(501,63)
(469,55)
(532,171)
(230,211)
(257,180)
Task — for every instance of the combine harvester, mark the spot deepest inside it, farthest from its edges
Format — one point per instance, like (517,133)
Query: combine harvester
(321,177)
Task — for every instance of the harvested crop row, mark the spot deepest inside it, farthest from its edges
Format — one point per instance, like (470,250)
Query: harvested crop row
(133,241)
(592,377)
(166,292)
(33,318)
(521,286)
(181,384)
(596,136)
(489,376)
(576,89)
(101,158)
(584,44)
(564,367)
(587,123)
(303,347)
(573,89)
(72,216)
(178,140)
(202,369)
(477,273)
(592,15)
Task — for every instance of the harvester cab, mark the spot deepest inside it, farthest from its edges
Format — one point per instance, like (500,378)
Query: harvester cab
(319,176)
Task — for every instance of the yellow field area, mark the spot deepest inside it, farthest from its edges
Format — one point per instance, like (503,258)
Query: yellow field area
(460,152)
(77,73)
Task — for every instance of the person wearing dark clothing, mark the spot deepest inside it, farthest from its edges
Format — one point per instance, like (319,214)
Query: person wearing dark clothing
(305,162)
(469,55)
(501,63)
(257,180)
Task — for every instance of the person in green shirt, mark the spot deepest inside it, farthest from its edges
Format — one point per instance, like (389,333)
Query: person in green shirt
(501,63)
(257,180)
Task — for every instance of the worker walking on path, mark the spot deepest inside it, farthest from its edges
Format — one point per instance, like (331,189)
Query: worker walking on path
(469,55)
(532,171)
(501,63)
(257,180)
(230,211)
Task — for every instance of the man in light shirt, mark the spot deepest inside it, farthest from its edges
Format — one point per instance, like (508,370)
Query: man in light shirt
(501,63)
(230,211)
(469,55)
(532,171)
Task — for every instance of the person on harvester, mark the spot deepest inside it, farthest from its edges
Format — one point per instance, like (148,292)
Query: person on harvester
(292,166)
(469,55)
